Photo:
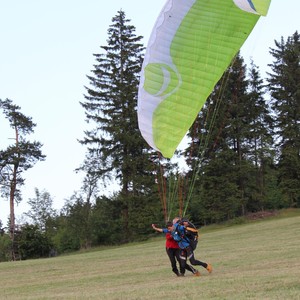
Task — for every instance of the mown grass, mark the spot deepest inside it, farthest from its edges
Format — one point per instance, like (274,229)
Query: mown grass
(255,260)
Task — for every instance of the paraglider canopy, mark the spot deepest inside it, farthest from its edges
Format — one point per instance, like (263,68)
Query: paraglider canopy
(191,45)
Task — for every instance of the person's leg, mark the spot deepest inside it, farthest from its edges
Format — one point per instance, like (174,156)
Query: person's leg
(190,268)
(179,259)
(191,257)
(182,259)
(195,262)
(172,256)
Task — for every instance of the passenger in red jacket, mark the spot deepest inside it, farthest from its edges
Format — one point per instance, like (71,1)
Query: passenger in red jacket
(173,252)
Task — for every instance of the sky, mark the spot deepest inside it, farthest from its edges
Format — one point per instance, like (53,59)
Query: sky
(46,53)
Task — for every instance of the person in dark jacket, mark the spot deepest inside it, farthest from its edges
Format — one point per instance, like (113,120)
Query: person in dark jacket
(186,251)
(173,252)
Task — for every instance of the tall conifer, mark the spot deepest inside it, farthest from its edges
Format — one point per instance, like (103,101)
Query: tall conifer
(116,148)
(110,105)
(284,88)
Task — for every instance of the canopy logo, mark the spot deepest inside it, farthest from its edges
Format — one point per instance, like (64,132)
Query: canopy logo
(259,7)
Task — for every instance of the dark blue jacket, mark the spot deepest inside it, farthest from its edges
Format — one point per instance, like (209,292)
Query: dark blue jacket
(178,234)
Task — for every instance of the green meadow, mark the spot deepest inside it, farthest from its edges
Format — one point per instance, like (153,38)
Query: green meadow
(254,260)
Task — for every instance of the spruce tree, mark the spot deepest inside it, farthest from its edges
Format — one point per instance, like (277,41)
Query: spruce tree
(284,89)
(111,100)
(226,181)
(110,106)
(260,138)
(232,142)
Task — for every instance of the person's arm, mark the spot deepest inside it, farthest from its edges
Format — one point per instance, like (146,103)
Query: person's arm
(157,229)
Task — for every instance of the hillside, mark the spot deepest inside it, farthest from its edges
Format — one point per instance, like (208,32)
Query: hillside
(257,260)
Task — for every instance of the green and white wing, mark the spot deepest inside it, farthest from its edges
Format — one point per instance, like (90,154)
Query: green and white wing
(191,45)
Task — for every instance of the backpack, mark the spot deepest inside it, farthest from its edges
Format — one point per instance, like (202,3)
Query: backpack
(190,234)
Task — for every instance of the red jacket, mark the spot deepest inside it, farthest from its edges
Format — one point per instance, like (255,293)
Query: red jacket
(170,242)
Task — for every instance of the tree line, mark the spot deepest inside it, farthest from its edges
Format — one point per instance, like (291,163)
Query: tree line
(242,155)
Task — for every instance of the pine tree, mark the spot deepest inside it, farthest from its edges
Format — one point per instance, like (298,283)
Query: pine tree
(284,88)
(17,158)
(110,105)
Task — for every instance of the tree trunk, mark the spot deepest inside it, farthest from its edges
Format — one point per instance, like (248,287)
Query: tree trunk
(13,186)
(12,205)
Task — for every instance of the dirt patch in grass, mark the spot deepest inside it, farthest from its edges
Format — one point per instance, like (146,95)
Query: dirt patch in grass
(261,215)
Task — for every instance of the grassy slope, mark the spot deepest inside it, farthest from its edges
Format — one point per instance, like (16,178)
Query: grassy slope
(259,260)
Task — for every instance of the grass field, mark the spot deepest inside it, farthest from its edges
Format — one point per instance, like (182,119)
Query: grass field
(256,260)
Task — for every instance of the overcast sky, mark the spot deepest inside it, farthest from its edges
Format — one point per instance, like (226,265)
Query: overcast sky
(46,52)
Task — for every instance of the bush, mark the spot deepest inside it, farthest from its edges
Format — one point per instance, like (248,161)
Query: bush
(33,243)
(5,247)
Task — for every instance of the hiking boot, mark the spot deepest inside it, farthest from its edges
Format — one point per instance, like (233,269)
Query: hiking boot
(209,268)
(197,273)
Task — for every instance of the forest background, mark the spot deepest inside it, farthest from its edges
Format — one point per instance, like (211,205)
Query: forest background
(242,154)
(47,77)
